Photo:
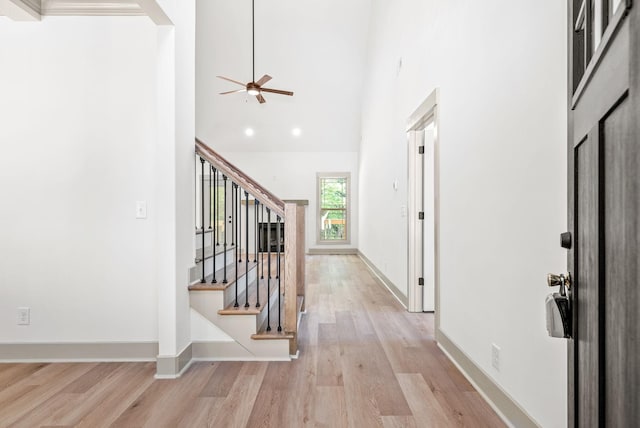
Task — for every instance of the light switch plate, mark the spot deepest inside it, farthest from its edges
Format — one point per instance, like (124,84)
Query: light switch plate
(141,209)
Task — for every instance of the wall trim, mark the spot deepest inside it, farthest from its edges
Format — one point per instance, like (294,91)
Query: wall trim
(395,291)
(332,251)
(227,351)
(503,404)
(172,366)
(77,352)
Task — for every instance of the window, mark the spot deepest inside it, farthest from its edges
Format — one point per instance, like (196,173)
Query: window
(333,208)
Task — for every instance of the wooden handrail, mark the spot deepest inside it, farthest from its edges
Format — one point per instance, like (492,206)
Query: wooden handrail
(236,175)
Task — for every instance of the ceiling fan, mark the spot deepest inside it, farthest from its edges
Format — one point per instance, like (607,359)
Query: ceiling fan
(253,87)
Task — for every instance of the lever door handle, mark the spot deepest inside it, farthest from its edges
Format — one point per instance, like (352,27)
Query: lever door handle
(554,280)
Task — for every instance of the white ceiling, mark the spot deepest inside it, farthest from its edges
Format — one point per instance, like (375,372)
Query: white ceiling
(315,48)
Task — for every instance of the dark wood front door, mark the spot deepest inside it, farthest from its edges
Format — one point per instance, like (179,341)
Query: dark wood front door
(604,213)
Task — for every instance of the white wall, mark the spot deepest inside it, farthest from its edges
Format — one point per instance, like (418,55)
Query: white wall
(77,132)
(501,70)
(292,175)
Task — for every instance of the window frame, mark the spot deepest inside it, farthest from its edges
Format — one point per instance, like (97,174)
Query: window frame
(347,240)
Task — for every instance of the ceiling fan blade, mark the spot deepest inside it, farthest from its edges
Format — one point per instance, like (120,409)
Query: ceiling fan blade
(231,80)
(264,79)
(233,92)
(261,99)
(277,91)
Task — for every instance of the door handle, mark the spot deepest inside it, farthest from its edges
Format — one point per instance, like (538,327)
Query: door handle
(558,307)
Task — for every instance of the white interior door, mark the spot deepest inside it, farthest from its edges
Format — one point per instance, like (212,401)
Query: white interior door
(422,212)
(428,224)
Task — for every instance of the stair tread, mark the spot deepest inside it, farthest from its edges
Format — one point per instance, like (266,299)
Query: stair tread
(231,277)
(273,334)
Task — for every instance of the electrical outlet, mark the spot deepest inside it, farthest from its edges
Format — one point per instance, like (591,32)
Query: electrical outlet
(24,316)
(495,356)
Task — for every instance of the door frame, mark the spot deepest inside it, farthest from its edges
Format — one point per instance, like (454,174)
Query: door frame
(424,114)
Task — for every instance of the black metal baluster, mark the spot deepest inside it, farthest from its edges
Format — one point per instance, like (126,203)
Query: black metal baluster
(255,247)
(214,236)
(278,248)
(234,227)
(224,281)
(195,194)
(239,219)
(216,207)
(278,275)
(246,271)
(232,217)
(268,269)
(256,259)
(262,250)
(202,280)
(246,211)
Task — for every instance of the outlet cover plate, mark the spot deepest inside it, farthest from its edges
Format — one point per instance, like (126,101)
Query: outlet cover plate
(24,316)
(495,356)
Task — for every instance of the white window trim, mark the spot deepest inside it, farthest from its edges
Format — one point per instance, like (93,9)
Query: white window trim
(320,175)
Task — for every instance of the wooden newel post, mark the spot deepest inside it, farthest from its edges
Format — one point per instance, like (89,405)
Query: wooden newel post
(294,286)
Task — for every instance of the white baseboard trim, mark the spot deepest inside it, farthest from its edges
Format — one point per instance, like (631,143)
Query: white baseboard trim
(395,291)
(227,351)
(332,251)
(172,366)
(503,404)
(73,352)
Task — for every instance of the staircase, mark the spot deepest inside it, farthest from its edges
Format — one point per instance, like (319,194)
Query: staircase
(247,285)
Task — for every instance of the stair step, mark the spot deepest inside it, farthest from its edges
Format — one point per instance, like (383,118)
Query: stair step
(252,310)
(231,278)
(272,335)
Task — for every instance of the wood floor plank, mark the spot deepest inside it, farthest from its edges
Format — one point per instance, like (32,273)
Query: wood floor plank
(112,385)
(241,398)
(112,402)
(46,383)
(90,378)
(329,371)
(365,362)
(13,373)
(201,413)
(425,408)
(222,379)
(330,407)
(400,422)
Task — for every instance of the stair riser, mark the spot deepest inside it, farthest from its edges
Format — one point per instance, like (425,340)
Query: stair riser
(230,292)
(273,307)
(195,273)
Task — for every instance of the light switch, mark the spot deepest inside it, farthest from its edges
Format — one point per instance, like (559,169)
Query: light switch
(403,211)
(141,209)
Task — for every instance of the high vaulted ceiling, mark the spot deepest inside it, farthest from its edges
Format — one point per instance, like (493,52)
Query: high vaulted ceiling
(317,49)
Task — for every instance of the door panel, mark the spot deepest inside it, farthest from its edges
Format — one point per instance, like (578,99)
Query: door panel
(621,236)
(604,215)
(586,274)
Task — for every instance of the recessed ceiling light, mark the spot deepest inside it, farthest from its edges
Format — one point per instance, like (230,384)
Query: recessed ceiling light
(296,132)
(248,132)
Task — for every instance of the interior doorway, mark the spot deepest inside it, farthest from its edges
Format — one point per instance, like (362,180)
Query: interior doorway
(422,133)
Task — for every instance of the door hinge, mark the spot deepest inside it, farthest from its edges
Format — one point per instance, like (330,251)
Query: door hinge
(420,281)
(421,215)
(420,150)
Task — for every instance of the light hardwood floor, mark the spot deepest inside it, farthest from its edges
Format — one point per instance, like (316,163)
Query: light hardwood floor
(364,362)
